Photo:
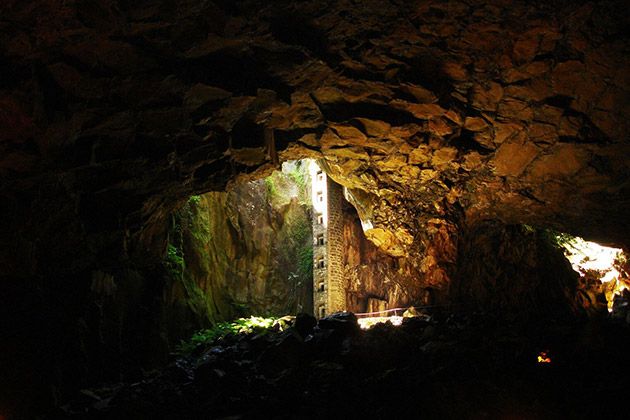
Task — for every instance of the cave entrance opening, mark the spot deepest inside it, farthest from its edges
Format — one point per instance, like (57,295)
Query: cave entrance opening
(247,251)
(602,275)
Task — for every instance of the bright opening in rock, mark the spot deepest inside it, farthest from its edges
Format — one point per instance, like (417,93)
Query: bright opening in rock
(292,242)
(451,124)
(598,267)
(247,251)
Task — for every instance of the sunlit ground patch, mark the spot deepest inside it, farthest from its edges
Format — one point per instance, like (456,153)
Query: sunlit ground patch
(366,323)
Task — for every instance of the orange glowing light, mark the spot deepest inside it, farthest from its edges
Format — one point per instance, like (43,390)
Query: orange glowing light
(543,357)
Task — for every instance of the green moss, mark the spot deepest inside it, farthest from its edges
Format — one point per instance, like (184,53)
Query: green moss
(207,252)
(551,236)
(174,262)
(187,234)
(299,176)
(282,186)
(271,191)
(305,264)
(296,250)
(564,239)
(529,228)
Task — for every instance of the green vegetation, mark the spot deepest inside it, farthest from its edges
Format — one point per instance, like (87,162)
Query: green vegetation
(240,308)
(621,260)
(174,261)
(272,190)
(174,258)
(296,250)
(186,234)
(299,176)
(529,228)
(305,264)
(553,237)
(292,181)
(221,330)
(207,250)
(564,239)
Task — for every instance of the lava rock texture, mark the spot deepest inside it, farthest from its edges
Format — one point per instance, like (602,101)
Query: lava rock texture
(438,116)
(471,365)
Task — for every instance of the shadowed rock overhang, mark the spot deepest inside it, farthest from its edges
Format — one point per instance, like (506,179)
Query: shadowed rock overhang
(435,112)
(444,120)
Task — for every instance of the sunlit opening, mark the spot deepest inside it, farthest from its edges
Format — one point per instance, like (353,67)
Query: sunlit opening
(368,322)
(394,316)
(590,258)
(319,192)
(366,225)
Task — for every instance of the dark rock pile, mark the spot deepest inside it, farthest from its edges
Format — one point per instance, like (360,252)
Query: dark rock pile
(474,366)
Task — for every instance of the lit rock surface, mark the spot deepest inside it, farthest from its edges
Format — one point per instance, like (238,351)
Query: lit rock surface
(245,252)
(440,115)
(445,114)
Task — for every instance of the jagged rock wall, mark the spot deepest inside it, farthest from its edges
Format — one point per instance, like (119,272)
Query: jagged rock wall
(374,280)
(246,253)
(509,110)
(441,114)
(515,270)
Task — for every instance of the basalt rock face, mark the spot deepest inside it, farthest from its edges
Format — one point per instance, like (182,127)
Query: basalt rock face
(243,253)
(436,116)
(516,269)
(374,280)
(439,112)
(507,269)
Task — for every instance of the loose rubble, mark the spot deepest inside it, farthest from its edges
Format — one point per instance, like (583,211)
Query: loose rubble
(442,366)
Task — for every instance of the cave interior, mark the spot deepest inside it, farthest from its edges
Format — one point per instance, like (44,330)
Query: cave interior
(142,198)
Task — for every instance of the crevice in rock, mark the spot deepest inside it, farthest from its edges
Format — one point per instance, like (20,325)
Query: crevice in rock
(213,170)
(588,132)
(345,111)
(296,29)
(543,57)
(426,71)
(565,52)
(527,193)
(246,133)
(466,142)
(283,138)
(236,72)
(362,74)
(560,101)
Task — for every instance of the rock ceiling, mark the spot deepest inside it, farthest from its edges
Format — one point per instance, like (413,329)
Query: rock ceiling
(434,114)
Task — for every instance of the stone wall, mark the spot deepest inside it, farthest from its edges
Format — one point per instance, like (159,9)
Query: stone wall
(319,193)
(334,247)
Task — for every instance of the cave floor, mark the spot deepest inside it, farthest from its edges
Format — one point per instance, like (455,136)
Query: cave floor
(464,366)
